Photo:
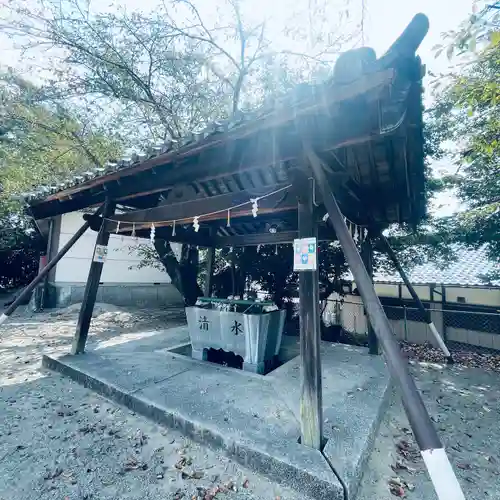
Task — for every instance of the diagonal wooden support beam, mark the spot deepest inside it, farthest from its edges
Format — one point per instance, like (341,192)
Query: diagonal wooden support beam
(45,271)
(428,319)
(438,465)
(90,294)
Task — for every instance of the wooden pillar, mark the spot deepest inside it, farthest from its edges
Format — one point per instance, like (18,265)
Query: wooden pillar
(311,401)
(89,297)
(367,256)
(210,271)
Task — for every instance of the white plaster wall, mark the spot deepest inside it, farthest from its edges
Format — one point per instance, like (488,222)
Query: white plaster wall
(120,266)
(483,296)
(387,290)
(423,291)
(353,315)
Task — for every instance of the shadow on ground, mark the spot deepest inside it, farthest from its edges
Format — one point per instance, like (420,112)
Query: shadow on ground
(59,440)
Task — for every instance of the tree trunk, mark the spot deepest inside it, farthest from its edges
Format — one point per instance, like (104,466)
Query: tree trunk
(183,273)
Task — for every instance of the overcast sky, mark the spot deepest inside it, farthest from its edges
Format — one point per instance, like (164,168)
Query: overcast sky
(384,21)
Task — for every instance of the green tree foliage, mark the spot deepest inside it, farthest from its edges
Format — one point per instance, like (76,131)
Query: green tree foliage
(116,77)
(40,143)
(467,115)
(43,142)
(156,76)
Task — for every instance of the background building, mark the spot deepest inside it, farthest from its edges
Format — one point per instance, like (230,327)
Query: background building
(463,306)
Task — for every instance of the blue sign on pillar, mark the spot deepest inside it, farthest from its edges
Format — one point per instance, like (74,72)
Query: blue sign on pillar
(305,254)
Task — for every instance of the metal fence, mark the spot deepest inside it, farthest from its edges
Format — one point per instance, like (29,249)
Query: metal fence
(472,320)
(475,326)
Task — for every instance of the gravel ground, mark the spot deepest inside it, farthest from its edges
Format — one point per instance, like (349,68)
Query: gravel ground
(464,404)
(61,441)
(463,354)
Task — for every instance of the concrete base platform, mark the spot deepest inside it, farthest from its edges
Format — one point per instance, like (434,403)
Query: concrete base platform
(253,418)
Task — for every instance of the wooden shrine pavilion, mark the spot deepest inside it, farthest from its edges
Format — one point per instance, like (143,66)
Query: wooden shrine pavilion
(347,149)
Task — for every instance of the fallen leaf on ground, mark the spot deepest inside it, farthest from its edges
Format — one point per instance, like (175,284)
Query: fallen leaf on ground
(212,493)
(400,465)
(53,474)
(396,487)
(397,491)
(140,438)
(463,354)
(133,464)
(87,429)
(196,474)
(178,494)
(407,450)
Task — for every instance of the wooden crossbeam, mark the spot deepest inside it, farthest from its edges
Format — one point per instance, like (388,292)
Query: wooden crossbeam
(256,239)
(182,235)
(279,238)
(203,239)
(186,211)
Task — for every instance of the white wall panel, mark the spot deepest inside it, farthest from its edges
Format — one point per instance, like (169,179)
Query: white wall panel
(387,290)
(120,266)
(482,296)
(117,249)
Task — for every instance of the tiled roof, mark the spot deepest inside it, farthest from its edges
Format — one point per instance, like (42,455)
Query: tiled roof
(467,269)
(300,94)
(134,159)
(371,98)
(303,93)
